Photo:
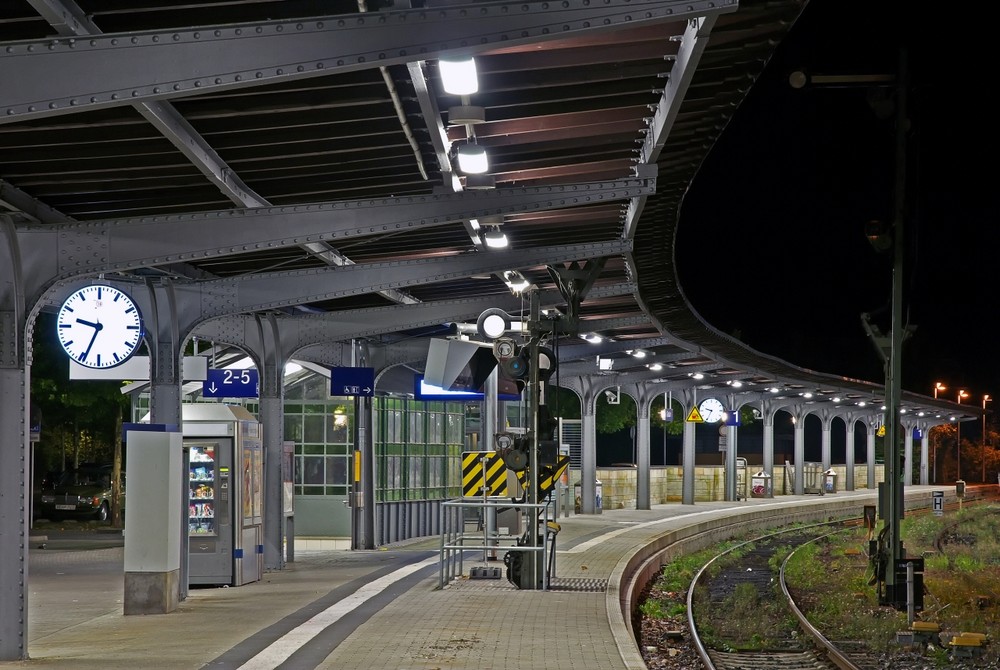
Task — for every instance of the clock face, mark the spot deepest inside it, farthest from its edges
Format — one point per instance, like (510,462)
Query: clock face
(711,410)
(99,326)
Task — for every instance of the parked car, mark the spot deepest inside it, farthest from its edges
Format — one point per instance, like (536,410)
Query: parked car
(83,493)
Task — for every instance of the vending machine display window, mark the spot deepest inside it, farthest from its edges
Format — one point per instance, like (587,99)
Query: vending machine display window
(202,500)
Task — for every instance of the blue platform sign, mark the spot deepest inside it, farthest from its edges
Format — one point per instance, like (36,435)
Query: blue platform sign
(231,384)
(352,381)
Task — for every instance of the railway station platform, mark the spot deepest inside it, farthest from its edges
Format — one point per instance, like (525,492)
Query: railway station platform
(384,609)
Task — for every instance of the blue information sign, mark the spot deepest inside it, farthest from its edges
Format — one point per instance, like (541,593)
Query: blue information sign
(231,384)
(352,381)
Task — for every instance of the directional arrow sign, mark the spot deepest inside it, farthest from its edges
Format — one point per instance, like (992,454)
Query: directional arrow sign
(352,382)
(231,384)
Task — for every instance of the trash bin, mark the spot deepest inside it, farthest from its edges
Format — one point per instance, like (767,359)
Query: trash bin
(598,496)
(830,481)
(760,485)
(960,488)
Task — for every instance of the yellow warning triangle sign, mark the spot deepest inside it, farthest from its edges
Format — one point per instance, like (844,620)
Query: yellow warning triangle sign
(695,416)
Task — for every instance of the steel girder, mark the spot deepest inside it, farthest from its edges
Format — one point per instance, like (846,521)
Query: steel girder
(192,303)
(298,332)
(66,75)
(61,251)
(283,289)
(693,43)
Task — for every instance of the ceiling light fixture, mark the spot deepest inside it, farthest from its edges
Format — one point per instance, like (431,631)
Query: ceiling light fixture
(458,75)
(480,182)
(593,338)
(515,281)
(466,115)
(655,367)
(472,159)
(495,238)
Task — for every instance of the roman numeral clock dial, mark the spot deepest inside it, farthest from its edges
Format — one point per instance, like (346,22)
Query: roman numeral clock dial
(99,326)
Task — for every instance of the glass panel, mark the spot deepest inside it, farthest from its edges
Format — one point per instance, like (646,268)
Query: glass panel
(313,470)
(336,470)
(313,429)
(316,388)
(435,428)
(456,428)
(293,427)
(416,479)
(393,467)
(337,428)
(416,427)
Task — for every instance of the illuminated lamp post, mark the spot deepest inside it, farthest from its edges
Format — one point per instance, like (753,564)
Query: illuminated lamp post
(986,399)
(958,426)
(938,386)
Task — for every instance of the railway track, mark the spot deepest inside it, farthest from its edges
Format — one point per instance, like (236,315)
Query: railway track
(801,648)
(798,647)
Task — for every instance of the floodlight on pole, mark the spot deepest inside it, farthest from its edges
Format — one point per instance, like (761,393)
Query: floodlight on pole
(986,399)
(958,426)
(938,386)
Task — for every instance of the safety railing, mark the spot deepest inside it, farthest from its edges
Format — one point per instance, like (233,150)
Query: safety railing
(456,540)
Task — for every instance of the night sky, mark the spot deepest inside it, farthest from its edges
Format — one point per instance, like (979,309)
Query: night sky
(771,243)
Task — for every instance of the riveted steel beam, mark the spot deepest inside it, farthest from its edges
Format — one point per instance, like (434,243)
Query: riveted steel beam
(313,329)
(589,350)
(282,289)
(70,74)
(693,43)
(74,249)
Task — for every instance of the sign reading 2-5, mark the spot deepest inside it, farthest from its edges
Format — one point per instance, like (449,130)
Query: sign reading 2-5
(231,384)
(99,326)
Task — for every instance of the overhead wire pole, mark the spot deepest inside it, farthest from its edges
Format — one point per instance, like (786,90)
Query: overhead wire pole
(895,592)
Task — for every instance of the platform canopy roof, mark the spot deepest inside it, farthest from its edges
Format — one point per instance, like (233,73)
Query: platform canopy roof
(201,142)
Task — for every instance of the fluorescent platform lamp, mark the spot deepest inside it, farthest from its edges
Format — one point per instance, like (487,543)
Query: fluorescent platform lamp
(472,159)
(458,75)
(495,238)
(515,281)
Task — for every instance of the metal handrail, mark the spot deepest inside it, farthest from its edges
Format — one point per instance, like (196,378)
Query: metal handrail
(455,542)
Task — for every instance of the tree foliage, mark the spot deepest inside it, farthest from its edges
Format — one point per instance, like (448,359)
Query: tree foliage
(80,420)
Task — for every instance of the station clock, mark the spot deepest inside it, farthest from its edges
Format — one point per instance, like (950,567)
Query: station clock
(99,326)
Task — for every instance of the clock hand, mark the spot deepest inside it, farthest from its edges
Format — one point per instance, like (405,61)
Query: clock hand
(88,323)
(93,337)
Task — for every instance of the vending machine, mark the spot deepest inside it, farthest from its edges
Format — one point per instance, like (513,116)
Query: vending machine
(225,502)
